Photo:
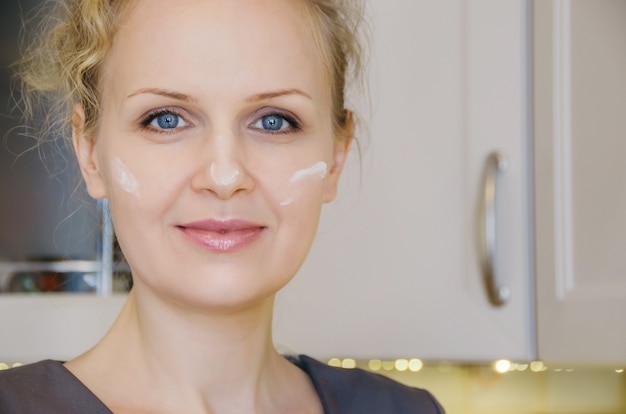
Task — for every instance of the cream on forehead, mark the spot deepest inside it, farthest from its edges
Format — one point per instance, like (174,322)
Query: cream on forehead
(224,177)
(124,177)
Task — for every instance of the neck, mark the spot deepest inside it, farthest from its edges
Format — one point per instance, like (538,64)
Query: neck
(182,340)
(215,360)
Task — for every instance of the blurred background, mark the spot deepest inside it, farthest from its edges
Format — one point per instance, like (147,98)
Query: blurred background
(477,245)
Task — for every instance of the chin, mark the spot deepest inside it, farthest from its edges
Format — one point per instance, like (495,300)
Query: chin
(226,294)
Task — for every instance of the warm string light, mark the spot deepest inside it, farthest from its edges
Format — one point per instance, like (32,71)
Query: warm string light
(4,365)
(401,364)
(501,366)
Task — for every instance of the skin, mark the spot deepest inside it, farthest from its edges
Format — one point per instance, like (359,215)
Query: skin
(220,67)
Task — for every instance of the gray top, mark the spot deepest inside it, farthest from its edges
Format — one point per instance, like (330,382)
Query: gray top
(48,387)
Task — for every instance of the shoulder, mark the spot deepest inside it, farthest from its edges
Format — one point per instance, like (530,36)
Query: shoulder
(45,385)
(357,391)
(27,378)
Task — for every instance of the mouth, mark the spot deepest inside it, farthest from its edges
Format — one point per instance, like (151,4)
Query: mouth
(222,236)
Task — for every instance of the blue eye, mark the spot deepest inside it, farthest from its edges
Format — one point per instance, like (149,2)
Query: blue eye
(276,123)
(272,122)
(165,120)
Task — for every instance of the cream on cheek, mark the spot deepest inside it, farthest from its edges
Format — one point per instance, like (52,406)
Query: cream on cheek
(124,177)
(301,179)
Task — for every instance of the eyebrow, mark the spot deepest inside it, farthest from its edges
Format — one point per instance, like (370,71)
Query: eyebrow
(275,94)
(164,92)
(254,98)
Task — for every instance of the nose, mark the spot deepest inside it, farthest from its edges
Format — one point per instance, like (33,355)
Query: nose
(222,170)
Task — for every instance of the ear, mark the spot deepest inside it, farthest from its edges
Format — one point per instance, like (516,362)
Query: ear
(341,151)
(85,150)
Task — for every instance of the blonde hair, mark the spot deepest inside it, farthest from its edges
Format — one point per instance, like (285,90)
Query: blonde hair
(61,68)
(337,28)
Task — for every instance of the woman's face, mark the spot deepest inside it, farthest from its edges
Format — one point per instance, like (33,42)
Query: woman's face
(215,147)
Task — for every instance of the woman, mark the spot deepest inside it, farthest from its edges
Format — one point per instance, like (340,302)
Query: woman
(216,130)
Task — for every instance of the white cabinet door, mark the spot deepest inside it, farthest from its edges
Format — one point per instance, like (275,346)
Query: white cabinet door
(580,179)
(395,269)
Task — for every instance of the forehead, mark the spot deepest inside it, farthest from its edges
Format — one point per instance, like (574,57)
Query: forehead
(227,45)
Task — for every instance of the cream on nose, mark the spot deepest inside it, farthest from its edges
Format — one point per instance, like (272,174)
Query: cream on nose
(224,174)
(222,168)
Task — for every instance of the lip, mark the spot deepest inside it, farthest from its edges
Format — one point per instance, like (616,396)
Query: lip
(222,235)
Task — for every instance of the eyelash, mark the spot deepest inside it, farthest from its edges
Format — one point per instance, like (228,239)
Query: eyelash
(152,115)
(294,125)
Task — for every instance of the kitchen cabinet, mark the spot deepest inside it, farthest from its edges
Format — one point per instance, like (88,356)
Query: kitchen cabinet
(395,270)
(580,180)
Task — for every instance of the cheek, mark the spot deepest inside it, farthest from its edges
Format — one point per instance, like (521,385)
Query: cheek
(139,186)
(299,185)
(124,178)
(141,199)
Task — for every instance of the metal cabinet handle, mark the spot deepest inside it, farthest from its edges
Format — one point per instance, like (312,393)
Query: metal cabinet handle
(499,294)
